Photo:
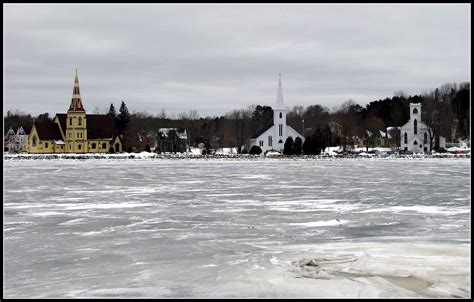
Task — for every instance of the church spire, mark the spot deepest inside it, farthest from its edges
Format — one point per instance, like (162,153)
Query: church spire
(279,102)
(76,103)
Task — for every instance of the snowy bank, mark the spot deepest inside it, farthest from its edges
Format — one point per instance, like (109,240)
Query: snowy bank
(235,156)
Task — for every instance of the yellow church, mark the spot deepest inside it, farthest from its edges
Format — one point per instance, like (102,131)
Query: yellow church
(75,131)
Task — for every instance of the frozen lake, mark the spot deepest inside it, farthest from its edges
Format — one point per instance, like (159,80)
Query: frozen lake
(236,228)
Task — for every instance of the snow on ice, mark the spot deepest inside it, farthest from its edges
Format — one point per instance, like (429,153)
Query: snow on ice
(266,228)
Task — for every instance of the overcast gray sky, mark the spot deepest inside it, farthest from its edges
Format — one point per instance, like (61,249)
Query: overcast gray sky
(216,58)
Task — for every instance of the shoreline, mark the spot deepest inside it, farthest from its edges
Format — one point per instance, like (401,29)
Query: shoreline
(178,156)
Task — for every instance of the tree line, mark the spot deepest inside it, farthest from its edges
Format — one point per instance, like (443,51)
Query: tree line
(446,110)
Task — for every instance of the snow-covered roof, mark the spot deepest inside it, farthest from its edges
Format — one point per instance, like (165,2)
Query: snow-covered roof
(383,134)
(59,142)
(180,131)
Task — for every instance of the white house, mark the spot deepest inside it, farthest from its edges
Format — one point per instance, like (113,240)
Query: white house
(273,136)
(414,134)
(16,141)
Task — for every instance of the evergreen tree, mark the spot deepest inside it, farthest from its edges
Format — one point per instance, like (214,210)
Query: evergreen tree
(112,112)
(255,150)
(297,146)
(308,146)
(123,118)
(288,148)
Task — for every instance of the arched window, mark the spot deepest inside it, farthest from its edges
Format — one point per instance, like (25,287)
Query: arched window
(415,126)
(425,138)
(35,141)
(104,146)
(415,111)
(70,121)
(281,115)
(405,138)
(415,143)
(79,121)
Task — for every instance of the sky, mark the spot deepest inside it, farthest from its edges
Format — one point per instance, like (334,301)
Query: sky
(215,58)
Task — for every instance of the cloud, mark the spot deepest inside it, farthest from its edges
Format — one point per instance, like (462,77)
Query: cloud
(216,58)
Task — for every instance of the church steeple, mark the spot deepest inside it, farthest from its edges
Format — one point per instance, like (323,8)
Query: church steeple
(76,103)
(279,103)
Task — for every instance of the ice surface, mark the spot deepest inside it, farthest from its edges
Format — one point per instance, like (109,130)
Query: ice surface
(250,228)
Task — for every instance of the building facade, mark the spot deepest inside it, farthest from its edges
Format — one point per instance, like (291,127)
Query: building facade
(414,135)
(16,141)
(75,131)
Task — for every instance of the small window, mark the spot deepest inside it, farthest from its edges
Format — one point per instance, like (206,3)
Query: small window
(70,121)
(93,145)
(280,141)
(104,146)
(415,143)
(35,140)
(280,130)
(270,143)
(46,145)
(415,111)
(79,146)
(405,138)
(406,149)
(415,127)
(261,143)
(281,115)
(425,140)
(79,121)
(78,134)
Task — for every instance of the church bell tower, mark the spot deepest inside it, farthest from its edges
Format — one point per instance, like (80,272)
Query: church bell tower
(76,123)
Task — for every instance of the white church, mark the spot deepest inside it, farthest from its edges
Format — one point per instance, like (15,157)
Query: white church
(414,134)
(273,136)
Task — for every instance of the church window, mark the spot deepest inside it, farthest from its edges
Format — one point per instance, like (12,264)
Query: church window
(93,145)
(425,140)
(270,143)
(415,127)
(280,141)
(104,146)
(280,130)
(79,146)
(34,141)
(46,145)
(70,121)
(281,115)
(79,121)
(405,138)
(415,143)
(415,111)
(260,143)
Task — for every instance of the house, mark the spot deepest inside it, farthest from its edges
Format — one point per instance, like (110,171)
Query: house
(16,141)
(414,135)
(172,140)
(75,131)
(9,140)
(273,135)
